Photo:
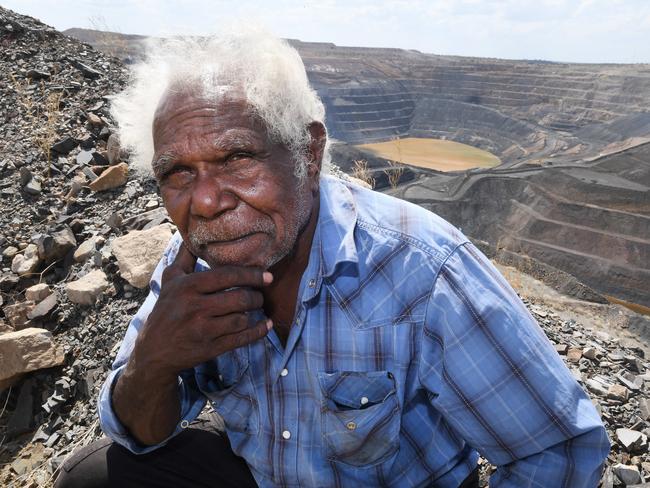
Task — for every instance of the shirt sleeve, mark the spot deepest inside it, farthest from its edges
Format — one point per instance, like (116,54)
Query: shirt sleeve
(192,400)
(496,379)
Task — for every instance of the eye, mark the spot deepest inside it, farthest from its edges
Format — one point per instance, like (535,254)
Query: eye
(177,176)
(236,156)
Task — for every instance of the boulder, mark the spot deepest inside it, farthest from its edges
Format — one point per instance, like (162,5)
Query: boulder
(44,307)
(113,149)
(38,292)
(27,350)
(618,392)
(17,313)
(94,120)
(629,475)
(64,146)
(33,187)
(113,177)
(86,249)
(86,289)
(631,440)
(574,354)
(10,252)
(84,157)
(55,246)
(139,251)
(27,262)
(644,408)
(590,353)
(5,327)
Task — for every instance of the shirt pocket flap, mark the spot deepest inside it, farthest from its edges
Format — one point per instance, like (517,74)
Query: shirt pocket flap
(356,390)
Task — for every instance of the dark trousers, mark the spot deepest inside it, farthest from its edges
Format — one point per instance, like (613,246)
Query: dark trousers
(194,458)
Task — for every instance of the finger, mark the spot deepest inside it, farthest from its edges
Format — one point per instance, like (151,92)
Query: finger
(248,336)
(233,323)
(183,263)
(230,301)
(225,277)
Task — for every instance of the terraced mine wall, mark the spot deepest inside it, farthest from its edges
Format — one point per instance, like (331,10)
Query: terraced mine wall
(591,220)
(517,110)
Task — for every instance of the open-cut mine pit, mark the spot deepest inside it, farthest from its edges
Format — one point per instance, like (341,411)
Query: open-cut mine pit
(566,214)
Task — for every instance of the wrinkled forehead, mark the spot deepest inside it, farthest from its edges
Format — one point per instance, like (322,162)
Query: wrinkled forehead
(186,97)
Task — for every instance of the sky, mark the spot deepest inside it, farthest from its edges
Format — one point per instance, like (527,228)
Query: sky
(586,31)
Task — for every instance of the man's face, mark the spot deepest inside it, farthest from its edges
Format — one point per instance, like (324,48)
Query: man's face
(231,192)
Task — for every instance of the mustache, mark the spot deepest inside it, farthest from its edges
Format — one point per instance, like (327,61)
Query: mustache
(203,232)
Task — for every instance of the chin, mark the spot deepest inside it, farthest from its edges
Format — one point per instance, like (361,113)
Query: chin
(259,259)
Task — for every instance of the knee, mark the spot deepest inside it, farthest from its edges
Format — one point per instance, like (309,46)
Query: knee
(86,467)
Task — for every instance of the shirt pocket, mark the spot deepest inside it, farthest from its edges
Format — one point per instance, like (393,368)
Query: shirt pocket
(227,384)
(360,416)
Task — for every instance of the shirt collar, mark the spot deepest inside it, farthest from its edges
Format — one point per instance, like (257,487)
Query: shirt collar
(336,222)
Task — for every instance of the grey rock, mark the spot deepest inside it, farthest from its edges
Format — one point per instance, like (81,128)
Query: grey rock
(644,408)
(57,245)
(25,176)
(36,74)
(33,187)
(10,252)
(113,149)
(561,349)
(84,157)
(44,308)
(629,475)
(22,416)
(597,387)
(86,70)
(631,440)
(64,146)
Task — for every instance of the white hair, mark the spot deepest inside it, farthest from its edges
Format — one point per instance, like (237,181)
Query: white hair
(268,71)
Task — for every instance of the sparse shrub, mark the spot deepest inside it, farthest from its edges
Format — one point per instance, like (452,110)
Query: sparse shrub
(394,173)
(362,172)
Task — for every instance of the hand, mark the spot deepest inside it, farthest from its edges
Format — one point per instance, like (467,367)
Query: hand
(200,315)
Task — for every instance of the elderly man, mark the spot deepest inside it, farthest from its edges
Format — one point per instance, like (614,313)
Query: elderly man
(346,338)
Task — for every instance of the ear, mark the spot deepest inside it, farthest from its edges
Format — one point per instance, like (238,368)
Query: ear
(316,146)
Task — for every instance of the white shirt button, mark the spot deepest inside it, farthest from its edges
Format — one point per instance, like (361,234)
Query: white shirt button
(364,400)
(284,372)
(312,283)
(286,434)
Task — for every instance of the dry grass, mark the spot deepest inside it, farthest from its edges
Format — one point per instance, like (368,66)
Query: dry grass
(45,138)
(43,112)
(362,172)
(435,154)
(394,173)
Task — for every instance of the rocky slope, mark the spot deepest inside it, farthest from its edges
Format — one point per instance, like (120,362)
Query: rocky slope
(71,245)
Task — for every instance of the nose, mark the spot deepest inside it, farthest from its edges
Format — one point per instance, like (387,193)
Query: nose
(210,197)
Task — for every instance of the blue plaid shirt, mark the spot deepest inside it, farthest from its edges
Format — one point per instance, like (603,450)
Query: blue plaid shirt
(409,354)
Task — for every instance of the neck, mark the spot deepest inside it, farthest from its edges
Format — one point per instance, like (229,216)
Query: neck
(280,297)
